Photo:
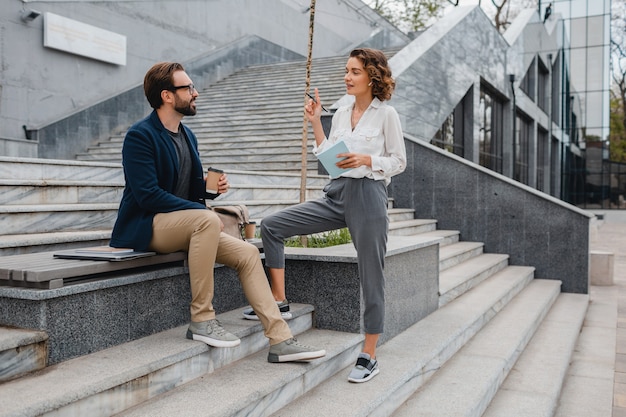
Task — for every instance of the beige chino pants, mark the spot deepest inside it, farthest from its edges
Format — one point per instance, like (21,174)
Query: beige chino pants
(198,232)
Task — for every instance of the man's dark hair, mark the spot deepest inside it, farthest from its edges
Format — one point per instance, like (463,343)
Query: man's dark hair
(157,79)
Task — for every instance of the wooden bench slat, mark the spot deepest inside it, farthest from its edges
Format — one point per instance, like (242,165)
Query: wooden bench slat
(45,267)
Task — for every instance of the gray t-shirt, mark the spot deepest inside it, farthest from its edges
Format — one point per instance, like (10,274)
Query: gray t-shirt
(184,163)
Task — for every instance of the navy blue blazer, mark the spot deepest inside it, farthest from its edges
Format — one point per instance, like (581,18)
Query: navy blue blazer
(151,172)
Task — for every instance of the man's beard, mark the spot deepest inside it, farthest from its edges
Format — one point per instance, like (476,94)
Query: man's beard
(185,109)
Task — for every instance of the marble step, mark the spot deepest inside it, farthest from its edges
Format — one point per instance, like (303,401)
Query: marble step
(265,76)
(22,192)
(251,192)
(284,158)
(114,379)
(274,166)
(22,351)
(216,143)
(246,145)
(399,214)
(56,217)
(15,244)
(292,91)
(534,385)
(447,236)
(263,93)
(290,86)
(32,169)
(289,75)
(209,114)
(476,372)
(279,122)
(256,149)
(457,280)
(252,386)
(412,227)
(411,358)
(239,177)
(267,162)
(253,145)
(454,254)
(240,133)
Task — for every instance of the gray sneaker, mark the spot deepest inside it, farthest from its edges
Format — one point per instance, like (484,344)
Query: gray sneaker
(365,369)
(293,351)
(212,333)
(283,307)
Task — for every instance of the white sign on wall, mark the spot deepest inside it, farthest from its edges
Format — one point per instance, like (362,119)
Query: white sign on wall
(82,39)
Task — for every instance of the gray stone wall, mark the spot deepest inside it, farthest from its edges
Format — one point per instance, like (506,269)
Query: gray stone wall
(508,217)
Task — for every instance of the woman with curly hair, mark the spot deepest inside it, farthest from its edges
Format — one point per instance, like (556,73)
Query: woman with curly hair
(357,199)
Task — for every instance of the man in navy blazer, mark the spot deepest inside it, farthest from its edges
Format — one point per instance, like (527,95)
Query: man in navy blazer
(163,210)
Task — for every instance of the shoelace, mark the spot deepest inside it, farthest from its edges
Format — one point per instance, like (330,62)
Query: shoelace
(294,341)
(216,327)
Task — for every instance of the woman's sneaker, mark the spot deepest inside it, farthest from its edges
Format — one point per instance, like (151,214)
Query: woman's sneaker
(283,306)
(365,369)
(293,351)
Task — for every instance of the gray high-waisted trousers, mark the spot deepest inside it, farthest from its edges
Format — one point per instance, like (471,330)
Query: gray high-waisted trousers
(357,203)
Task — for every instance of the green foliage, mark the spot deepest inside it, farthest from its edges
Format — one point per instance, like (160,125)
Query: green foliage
(408,15)
(617,138)
(322,240)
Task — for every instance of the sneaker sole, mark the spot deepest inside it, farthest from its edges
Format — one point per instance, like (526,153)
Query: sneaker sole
(295,357)
(367,378)
(286,316)
(213,342)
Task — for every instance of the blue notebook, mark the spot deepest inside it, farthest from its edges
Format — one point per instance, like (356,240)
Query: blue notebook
(328,158)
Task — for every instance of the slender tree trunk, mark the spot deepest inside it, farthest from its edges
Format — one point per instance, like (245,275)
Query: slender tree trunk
(305,122)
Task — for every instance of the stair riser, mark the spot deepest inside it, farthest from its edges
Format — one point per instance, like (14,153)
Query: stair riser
(251,145)
(240,178)
(413,230)
(553,343)
(19,360)
(24,169)
(295,388)
(149,386)
(36,246)
(281,194)
(290,167)
(52,194)
(486,359)
(258,211)
(471,282)
(402,216)
(45,222)
(457,259)
(260,161)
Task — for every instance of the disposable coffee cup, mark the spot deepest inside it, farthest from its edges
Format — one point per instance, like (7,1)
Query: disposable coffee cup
(250,230)
(212,178)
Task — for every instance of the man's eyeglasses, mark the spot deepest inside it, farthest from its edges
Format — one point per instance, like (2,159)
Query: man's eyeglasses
(191,88)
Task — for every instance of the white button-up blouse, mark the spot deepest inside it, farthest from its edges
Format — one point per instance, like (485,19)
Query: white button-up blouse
(378,133)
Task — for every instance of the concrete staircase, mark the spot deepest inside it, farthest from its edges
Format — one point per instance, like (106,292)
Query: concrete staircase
(253,120)
(249,124)
(500,341)
(493,318)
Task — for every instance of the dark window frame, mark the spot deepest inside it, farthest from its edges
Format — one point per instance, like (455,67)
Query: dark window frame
(491,129)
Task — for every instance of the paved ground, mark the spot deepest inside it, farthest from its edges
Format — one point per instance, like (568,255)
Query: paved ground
(611,237)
